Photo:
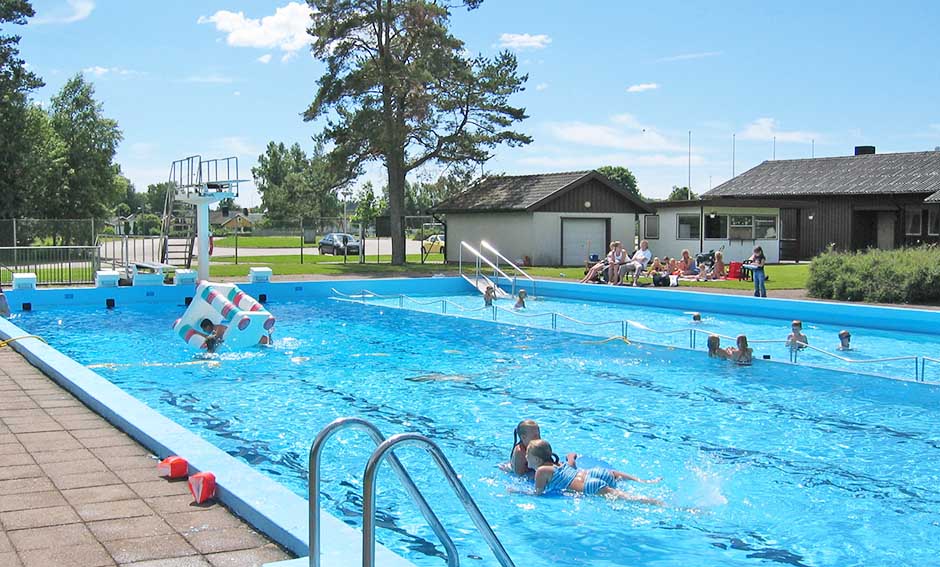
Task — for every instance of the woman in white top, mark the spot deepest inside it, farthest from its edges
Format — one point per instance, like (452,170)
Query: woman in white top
(616,257)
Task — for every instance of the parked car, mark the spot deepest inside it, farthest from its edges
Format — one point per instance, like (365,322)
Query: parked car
(339,243)
(433,244)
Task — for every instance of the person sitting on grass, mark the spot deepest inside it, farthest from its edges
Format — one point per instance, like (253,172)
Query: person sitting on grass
(553,476)
(638,262)
(687,264)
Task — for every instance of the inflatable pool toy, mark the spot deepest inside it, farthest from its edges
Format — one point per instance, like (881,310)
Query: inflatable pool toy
(246,322)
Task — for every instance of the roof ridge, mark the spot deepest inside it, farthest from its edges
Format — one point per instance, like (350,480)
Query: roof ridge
(852,156)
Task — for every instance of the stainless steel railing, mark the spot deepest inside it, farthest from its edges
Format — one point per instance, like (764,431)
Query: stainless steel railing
(499,256)
(386,451)
(479,260)
(316,450)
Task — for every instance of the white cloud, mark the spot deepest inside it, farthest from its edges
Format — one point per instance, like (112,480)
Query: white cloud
(209,79)
(766,129)
(236,146)
(266,58)
(624,133)
(99,71)
(285,30)
(594,160)
(688,56)
(237,93)
(642,87)
(541,86)
(935,126)
(73,11)
(524,41)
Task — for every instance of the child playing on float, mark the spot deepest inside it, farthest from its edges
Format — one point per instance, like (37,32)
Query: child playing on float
(552,476)
(796,339)
(212,333)
(524,433)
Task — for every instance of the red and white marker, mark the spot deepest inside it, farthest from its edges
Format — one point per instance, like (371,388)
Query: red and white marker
(202,486)
(173,467)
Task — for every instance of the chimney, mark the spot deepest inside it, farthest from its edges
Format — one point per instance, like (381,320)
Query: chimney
(864,150)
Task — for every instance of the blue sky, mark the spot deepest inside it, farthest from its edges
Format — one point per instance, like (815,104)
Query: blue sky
(610,83)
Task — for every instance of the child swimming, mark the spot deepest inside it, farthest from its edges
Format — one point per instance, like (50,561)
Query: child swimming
(520,302)
(796,339)
(552,476)
(488,296)
(524,433)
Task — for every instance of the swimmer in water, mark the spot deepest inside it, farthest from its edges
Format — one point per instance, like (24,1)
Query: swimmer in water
(696,317)
(520,302)
(714,348)
(796,339)
(488,296)
(552,476)
(212,333)
(741,354)
(845,340)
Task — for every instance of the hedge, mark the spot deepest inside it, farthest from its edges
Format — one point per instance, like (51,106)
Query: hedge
(906,275)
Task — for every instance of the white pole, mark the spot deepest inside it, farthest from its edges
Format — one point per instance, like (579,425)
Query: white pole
(202,228)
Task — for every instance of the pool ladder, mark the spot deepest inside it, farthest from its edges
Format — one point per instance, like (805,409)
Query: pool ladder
(385,451)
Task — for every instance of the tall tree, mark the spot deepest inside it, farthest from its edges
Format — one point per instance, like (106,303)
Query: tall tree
(294,186)
(681,194)
(401,89)
(18,122)
(91,141)
(155,197)
(622,176)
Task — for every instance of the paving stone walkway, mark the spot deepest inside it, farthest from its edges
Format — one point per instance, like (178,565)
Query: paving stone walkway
(75,490)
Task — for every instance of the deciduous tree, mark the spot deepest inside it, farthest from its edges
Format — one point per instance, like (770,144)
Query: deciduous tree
(622,176)
(400,88)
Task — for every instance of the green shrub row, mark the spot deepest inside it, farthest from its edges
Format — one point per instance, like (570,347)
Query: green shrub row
(906,275)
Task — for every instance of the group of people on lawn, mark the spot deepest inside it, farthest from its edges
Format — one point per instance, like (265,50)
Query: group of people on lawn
(619,269)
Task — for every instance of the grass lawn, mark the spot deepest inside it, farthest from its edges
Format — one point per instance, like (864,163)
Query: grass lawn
(261,242)
(328,265)
(783,276)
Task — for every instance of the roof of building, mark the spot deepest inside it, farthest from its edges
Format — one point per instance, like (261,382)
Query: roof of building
(526,192)
(871,174)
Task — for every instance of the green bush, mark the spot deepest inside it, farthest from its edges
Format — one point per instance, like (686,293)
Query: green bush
(907,275)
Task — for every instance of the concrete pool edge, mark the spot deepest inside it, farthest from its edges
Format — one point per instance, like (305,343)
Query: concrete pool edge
(265,504)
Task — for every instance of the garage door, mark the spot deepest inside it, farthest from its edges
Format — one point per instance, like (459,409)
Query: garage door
(580,238)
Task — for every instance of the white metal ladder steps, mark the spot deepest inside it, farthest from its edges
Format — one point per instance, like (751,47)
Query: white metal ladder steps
(385,451)
(480,281)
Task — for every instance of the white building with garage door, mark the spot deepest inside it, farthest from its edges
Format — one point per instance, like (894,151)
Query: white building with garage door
(551,219)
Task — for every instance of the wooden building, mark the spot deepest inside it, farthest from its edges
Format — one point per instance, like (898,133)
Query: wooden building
(867,200)
(548,219)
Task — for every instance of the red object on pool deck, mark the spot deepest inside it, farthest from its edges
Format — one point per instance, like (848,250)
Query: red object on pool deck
(734,270)
(173,467)
(202,486)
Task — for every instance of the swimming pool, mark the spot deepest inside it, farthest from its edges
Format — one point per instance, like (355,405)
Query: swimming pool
(780,463)
(878,352)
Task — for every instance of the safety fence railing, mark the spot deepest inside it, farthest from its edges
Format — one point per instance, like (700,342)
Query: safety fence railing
(626,324)
(53,265)
(119,251)
(795,353)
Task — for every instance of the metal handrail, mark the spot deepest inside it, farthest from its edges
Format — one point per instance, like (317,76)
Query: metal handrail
(488,246)
(316,449)
(386,450)
(803,345)
(482,258)
(923,366)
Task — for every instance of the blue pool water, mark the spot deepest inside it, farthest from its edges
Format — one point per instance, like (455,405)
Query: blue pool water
(763,464)
(671,327)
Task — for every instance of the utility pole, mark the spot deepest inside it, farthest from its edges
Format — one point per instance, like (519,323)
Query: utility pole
(689,186)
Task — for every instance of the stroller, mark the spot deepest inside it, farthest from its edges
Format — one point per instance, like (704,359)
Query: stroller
(708,259)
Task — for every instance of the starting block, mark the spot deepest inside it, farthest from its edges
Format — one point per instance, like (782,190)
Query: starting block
(24,281)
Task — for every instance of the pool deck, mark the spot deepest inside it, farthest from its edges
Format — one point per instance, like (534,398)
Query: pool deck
(75,490)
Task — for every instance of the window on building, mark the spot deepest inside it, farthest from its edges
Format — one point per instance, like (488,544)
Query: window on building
(765,227)
(716,226)
(913,222)
(933,222)
(688,227)
(651,227)
(742,227)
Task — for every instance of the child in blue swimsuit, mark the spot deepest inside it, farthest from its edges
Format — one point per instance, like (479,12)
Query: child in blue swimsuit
(552,476)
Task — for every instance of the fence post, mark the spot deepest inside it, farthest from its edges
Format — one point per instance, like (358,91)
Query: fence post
(15,245)
(68,257)
(554,321)
(623,329)
(236,246)
(301,240)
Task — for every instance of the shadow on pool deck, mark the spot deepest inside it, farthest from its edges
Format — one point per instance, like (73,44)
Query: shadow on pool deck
(74,490)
